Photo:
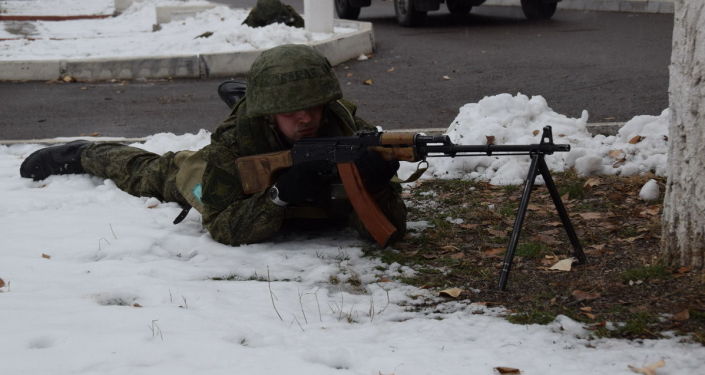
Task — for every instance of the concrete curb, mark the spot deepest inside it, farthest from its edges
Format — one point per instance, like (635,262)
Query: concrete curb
(635,6)
(337,49)
(604,128)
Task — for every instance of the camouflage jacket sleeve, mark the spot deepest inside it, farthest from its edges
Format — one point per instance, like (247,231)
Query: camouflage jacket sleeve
(231,216)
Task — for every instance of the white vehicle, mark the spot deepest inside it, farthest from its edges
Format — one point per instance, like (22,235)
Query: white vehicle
(413,12)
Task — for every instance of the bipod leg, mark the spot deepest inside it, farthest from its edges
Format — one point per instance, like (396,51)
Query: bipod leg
(562,212)
(519,221)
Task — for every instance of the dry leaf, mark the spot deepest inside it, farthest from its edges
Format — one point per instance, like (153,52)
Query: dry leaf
(683,270)
(682,316)
(616,154)
(68,78)
(632,239)
(592,181)
(590,316)
(490,139)
(636,139)
(563,265)
(592,215)
(507,370)
(136,305)
(586,308)
(384,279)
(469,226)
(493,252)
(549,260)
(650,211)
(449,248)
(451,292)
(349,75)
(2,283)
(579,295)
(368,82)
(498,233)
(600,247)
(535,132)
(457,256)
(649,369)
(46,256)
(390,69)
(619,163)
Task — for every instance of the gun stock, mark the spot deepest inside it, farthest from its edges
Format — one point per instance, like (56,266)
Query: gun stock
(257,171)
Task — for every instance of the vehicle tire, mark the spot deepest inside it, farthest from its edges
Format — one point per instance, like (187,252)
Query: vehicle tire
(459,7)
(345,10)
(538,9)
(406,14)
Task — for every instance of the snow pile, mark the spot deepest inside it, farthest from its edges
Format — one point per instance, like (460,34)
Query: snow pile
(134,33)
(640,146)
(650,191)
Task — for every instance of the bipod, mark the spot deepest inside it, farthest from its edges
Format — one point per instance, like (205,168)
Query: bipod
(538,165)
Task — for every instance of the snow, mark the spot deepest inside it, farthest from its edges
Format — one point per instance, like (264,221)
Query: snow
(133,33)
(650,191)
(100,282)
(519,119)
(121,289)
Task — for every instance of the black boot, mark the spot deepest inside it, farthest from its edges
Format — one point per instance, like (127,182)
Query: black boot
(60,159)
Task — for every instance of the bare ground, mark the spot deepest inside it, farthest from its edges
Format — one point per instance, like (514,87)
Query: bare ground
(624,290)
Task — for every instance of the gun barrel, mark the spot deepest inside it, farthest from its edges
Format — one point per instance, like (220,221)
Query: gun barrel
(472,150)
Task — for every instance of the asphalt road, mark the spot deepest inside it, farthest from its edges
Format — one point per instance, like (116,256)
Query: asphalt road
(614,65)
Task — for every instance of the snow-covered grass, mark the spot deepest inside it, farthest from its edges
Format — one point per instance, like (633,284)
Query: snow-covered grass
(101,282)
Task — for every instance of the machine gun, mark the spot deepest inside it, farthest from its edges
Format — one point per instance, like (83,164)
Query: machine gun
(256,173)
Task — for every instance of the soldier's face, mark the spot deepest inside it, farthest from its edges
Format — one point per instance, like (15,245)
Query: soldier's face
(299,124)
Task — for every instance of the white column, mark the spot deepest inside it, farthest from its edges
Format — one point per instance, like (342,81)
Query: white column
(318,15)
(121,5)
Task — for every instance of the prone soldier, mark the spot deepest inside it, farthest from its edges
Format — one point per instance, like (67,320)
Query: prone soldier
(292,93)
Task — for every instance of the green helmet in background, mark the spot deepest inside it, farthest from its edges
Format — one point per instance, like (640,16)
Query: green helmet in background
(290,78)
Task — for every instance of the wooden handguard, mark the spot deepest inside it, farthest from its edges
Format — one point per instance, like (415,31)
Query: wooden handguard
(367,209)
(257,171)
(396,153)
(397,146)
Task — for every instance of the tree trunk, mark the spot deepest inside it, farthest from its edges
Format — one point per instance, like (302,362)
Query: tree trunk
(683,231)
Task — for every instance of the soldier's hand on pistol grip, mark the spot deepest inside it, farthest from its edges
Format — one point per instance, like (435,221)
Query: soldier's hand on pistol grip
(375,171)
(303,182)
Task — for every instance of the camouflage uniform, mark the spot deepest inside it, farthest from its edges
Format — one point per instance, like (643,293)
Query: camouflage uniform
(273,11)
(208,179)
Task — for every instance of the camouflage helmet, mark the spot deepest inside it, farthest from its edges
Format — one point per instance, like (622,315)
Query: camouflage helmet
(289,78)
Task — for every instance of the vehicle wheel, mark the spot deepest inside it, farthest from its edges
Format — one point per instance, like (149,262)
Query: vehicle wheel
(538,9)
(407,15)
(459,7)
(345,10)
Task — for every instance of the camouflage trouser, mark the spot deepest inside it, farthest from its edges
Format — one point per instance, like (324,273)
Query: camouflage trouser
(136,171)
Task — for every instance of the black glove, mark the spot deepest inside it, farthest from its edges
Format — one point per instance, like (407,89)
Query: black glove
(375,171)
(304,182)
